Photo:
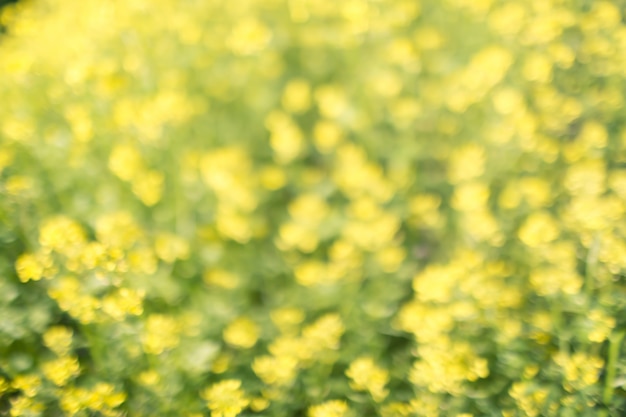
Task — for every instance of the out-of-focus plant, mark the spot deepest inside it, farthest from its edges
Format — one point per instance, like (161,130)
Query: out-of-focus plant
(320,208)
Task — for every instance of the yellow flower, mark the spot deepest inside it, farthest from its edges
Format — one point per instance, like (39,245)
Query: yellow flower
(470,196)
(225,398)
(29,267)
(537,67)
(273,178)
(466,162)
(444,366)
(586,178)
(142,260)
(241,333)
(390,258)
(437,282)
(286,137)
(28,384)
(294,235)
(297,96)
(311,273)
(249,37)
(221,363)
(538,229)
(332,100)
(332,408)
(550,281)
(103,396)
(61,234)
(61,370)
(325,332)
(221,278)
(124,301)
(149,378)
(24,406)
(170,247)
(4,385)
(58,339)
(424,209)
(148,186)
(427,324)
(288,346)
(259,404)
(125,161)
(80,122)
(579,369)
(233,225)
(508,100)
(117,229)
(327,135)
(287,317)
(308,209)
(161,334)
(536,191)
(275,370)
(396,409)
(367,376)
(602,326)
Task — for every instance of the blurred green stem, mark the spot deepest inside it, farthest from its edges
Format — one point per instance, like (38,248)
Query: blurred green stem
(615,343)
(556,311)
(590,264)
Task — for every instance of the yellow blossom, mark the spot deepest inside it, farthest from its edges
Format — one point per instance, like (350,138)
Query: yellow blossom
(332,408)
(273,178)
(161,334)
(297,96)
(221,278)
(287,317)
(32,266)
(125,161)
(538,229)
(327,135)
(170,247)
(579,369)
(367,376)
(124,301)
(225,398)
(61,234)
(332,100)
(466,162)
(242,333)
(25,406)
(28,384)
(550,281)
(148,186)
(249,36)
(234,225)
(117,229)
(470,196)
(61,370)
(311,273)
(58,339)
(275,370)
(325,332)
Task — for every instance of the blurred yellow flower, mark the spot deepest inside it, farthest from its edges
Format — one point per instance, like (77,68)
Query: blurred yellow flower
(58,339)
(365,375)
(332,408)
(241,333)
(225,398)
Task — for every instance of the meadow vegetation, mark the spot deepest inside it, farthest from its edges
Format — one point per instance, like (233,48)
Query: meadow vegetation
(313,208)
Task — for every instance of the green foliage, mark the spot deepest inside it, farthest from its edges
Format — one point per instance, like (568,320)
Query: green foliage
(320,208)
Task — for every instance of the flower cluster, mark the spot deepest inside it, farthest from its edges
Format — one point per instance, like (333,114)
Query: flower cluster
(292,207)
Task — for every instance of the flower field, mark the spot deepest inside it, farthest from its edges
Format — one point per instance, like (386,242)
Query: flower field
(313,208)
